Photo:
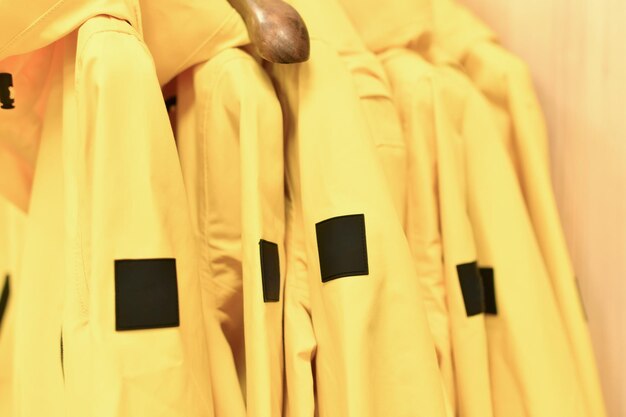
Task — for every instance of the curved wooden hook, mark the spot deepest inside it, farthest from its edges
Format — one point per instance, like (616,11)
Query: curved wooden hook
(276,30)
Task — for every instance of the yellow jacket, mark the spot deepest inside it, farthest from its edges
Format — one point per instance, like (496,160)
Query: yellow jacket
(230,141)
(505,80)
(438,229)
(357,319)
(132,320)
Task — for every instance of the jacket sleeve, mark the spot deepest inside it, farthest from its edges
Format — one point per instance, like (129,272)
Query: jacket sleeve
(133,326)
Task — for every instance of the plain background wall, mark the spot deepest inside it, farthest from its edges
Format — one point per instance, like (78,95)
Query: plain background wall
(576,50)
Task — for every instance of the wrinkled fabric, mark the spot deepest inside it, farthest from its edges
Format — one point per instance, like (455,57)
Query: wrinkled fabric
(355,345)
(183,33)
(23,33)
(125,200)
(230,141)
(39,302)
(439,230)
(505,80)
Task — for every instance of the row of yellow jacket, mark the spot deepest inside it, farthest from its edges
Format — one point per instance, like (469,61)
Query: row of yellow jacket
(369,233)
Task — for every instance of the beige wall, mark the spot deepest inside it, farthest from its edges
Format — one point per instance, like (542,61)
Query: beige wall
(576,50)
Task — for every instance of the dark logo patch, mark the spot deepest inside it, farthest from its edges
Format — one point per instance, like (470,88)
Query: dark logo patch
(6,91)
(342,247)
(489,290)
(146,294)
(4,298)
(472,288)
(270,270)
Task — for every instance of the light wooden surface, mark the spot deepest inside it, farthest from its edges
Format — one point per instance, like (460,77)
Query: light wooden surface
(576,50)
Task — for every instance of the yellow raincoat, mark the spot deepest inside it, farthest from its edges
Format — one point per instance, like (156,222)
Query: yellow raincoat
(356,337)
(230,141)
(505,80)
(133,330)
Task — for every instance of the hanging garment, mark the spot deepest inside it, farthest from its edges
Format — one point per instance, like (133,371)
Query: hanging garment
(230,141)
(529,354)
(356,335)
(23,30)
(460,338)
(438,227)
(133,328)
(129,346)
(505,80)
(11,232)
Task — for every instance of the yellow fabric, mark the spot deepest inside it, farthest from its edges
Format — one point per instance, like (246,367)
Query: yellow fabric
(389,24)
(182,33)
(230,141)
(43,22)
(37,358)
(11,239)
(355,346)
(506,82)
(124,199)
(409,22)
(24,31)
(438,226)
(529,354)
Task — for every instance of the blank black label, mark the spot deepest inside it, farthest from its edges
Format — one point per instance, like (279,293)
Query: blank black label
(4,298)
(6,82)
(270,270)
(472,288)
(489,288)
(342,247)
(146,294)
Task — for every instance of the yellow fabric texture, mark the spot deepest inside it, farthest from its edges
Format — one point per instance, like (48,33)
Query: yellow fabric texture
(230,141)
(39,303)
(438,228)
(124,200)
(529,356)
(27,29)
(356,345)
(182,33)
(505,80)
(11,239)
(458,336)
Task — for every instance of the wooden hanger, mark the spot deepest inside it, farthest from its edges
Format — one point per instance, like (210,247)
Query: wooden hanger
(276,30)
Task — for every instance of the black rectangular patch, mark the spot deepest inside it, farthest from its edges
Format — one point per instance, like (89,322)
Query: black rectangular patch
(489,291)
(270,270)
(146,294)
(342,247)
(472,288)
(4,298)
(6,84)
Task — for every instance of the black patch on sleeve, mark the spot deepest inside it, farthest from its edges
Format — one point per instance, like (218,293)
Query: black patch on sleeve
(270,270)
(472,288)
(342,247)
(489,289)
(146,294)
(4,298)
(6,83)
